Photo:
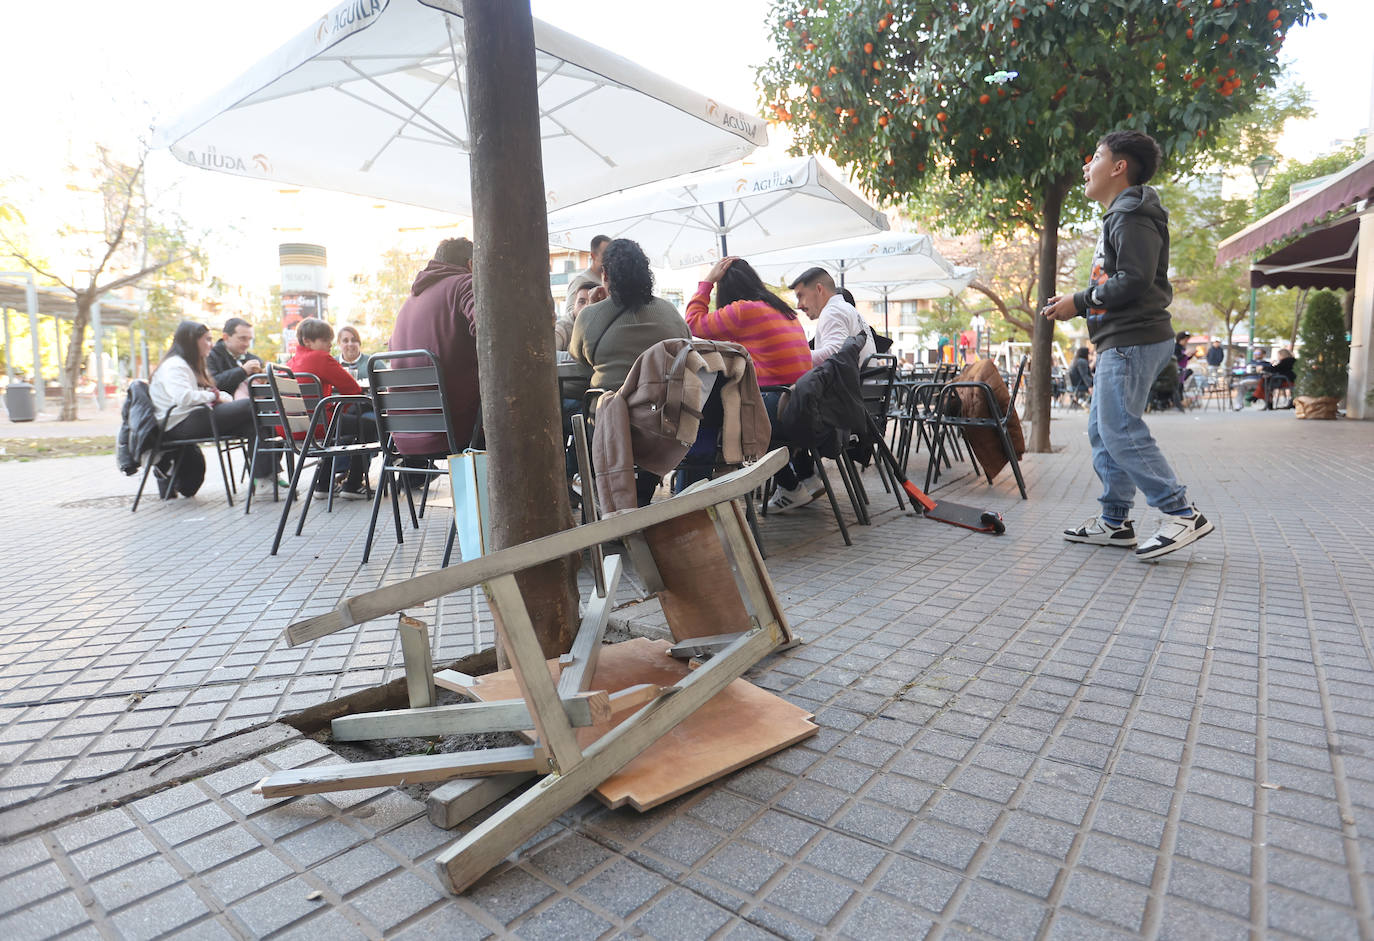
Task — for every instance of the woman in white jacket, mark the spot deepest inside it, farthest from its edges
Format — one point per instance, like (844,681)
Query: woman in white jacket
(182,384)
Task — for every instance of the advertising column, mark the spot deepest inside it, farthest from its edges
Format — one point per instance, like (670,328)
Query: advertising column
(304,288)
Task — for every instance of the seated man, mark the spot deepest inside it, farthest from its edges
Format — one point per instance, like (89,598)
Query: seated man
(1257,387)
(584,292)
(440,316)
(229,362)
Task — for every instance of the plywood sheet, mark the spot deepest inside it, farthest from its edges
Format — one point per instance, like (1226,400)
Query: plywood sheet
(737,727)
(699,597)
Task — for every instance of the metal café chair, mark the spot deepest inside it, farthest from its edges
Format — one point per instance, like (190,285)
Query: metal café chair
(311,447)
(167,480)
(408,397)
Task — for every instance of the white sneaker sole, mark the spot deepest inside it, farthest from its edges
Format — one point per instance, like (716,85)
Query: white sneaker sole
(1102,541)
(1192,537)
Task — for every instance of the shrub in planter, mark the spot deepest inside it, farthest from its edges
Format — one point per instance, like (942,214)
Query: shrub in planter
(1324,364)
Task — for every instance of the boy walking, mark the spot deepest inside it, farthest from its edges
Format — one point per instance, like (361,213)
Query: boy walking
(1126,306)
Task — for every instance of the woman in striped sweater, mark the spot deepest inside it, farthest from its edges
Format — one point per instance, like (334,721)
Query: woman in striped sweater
(749,314)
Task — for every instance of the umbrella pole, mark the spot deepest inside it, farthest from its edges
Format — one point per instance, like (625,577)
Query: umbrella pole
(886,328)
(720,209)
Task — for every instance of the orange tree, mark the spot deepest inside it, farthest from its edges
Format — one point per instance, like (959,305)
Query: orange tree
(1001,101)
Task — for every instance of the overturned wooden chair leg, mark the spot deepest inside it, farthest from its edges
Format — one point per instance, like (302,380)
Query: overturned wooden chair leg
(495,838)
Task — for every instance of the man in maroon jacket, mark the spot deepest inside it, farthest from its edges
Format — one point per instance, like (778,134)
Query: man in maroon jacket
(439,317)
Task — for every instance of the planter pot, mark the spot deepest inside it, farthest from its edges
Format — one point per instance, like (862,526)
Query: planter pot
(1308,406)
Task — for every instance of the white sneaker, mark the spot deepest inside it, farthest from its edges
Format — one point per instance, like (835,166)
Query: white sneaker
(785,500)
(1174,533)
(813,486)
(1098,532)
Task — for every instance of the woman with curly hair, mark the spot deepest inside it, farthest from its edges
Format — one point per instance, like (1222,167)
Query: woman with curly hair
(608,336)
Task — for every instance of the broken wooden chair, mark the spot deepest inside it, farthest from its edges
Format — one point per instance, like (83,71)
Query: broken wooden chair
(736,630)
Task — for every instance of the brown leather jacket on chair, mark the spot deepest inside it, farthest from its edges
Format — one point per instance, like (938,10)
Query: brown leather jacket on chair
(653,419)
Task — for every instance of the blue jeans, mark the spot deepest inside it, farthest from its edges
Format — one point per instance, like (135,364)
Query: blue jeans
(1125,455)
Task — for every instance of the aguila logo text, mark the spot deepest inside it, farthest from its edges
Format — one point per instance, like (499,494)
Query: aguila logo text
(773,181)
(211,159)
(344,16)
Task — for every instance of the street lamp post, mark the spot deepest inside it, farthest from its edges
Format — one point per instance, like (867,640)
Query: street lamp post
(1260,168)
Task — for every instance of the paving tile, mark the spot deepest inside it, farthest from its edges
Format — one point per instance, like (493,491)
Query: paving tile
(681,916)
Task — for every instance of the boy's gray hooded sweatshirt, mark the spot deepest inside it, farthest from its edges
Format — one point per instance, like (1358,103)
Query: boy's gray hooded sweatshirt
(1127,302)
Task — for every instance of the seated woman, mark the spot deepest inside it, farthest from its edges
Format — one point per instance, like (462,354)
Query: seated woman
(749,314)
(1080,376)
(182,384)
(351,355)
(315,338)
(608,336)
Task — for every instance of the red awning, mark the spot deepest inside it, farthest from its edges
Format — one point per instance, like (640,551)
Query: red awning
(1354,183)
(1323,258)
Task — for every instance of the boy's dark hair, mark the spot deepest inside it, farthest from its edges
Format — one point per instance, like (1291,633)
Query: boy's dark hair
(233,323)
(598,241)
(1139,150)
(455,252)
(812,275)
(312,329)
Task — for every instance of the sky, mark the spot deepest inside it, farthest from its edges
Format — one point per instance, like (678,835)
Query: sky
(88,70)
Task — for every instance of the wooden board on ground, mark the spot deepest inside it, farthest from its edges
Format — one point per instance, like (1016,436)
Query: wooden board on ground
(735,728)
(697,600)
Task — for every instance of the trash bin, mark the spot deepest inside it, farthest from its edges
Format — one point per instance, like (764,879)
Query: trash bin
(19,401)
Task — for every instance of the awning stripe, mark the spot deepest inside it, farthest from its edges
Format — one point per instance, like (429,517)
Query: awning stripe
(1354,183)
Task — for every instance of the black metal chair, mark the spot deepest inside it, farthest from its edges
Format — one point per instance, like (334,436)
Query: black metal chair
(269,424)
(309,446)
(780,442)
(408,397)
(947,417)
(158,454)
(877,374)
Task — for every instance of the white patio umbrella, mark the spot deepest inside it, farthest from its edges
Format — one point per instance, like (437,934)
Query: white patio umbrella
(918,289)
(742,210)
(371,100)
(878,258)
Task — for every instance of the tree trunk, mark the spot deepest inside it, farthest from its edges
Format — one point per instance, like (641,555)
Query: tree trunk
(71,363)
(515,343)
(1042,338)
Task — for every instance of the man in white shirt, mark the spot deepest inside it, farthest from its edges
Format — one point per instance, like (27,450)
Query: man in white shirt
(837,320)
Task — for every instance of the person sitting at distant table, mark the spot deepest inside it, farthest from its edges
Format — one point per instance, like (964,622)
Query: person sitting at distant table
(1080,375)
(315,338)
(230,364)
(1257,387)
(351,355)
(182,384)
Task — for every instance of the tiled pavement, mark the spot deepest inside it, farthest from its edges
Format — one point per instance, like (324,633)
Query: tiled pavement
(1021,738)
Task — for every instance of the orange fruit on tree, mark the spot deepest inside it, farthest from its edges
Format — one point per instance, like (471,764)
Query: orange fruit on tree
(868,47)
(984,99)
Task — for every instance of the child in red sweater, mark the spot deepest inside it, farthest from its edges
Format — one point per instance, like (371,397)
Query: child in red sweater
(315,339)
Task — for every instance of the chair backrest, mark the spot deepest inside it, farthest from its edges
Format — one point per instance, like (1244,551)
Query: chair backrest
(1016,386)
(876,375)
(293,412)
(265,413)
(407,392)
(311,389)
